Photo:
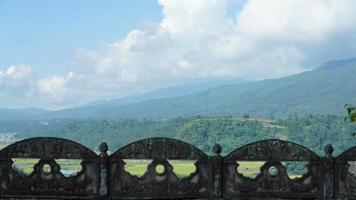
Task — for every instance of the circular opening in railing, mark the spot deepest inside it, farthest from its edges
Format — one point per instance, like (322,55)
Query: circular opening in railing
(46,168)
(273,171)
(160,169)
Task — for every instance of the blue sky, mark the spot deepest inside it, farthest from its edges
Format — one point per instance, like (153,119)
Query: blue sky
(59,54)
(45,34)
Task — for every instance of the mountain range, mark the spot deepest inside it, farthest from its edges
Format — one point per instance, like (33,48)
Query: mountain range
(324,90)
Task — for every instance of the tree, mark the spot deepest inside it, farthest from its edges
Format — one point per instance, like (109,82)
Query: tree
(246,116)
(351,112)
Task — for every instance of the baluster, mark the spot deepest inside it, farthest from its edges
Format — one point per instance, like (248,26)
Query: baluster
(103,191)
(217,173)
(329,172)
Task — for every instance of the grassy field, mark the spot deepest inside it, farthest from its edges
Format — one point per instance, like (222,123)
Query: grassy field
(68,167)
(185,168)
(181,168)
(138,167)
(134,167)
(2,145)
(26,165)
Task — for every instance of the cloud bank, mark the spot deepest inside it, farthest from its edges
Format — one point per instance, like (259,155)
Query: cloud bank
(198,40)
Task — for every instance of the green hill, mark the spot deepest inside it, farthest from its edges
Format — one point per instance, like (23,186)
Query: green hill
(312,131)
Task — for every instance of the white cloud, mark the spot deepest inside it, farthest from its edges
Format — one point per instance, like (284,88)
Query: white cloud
(17,79)
(293,20)
(269,38)
(17,86)
(197,40)
(16,75)
(54,87)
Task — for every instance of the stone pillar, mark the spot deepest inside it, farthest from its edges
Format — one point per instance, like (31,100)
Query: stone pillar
(329,173)
(104,161)
(217,173)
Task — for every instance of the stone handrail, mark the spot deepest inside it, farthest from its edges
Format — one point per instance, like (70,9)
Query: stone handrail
(104,176)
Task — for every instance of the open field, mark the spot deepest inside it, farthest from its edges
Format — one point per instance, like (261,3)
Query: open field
(2,145)
(68,167)
(185,168)
(138,167)
(182,168)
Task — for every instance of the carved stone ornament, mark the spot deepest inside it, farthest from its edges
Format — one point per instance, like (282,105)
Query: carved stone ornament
(346,181)
(273,180)
(155,185)
(46,178)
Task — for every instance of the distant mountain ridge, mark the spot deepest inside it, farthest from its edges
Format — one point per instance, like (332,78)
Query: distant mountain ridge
(20,114)
(336,63)
(168,92)
(91,108)
(314,92)
(323,90)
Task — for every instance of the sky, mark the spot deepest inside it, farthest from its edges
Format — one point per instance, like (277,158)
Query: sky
(59,54)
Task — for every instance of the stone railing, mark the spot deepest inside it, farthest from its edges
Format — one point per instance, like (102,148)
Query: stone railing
(104,176)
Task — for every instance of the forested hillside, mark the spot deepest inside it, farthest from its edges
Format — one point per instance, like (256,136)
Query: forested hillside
(324,90)
(312,131)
